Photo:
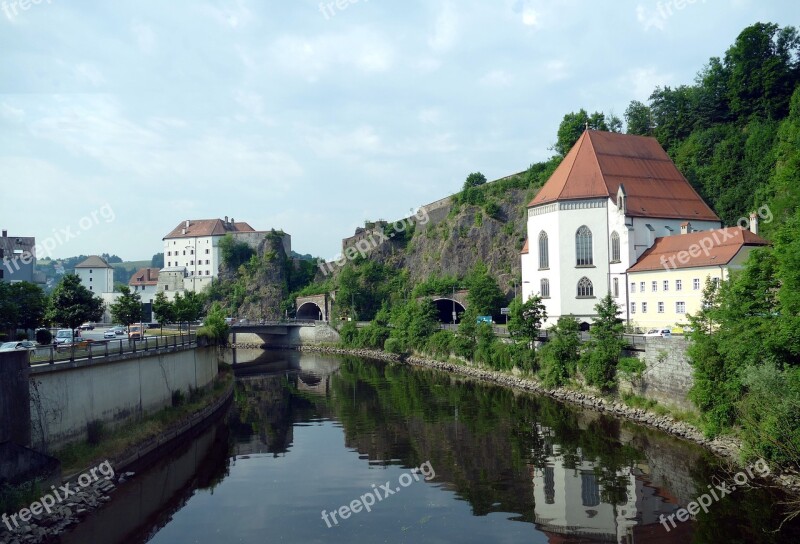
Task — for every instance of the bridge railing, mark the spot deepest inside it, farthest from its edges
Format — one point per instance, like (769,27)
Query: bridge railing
(107,348)
(265,322)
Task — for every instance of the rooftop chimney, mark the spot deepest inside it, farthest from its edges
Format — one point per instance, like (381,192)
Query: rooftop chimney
(686,228)
(187,223)
(5,233)
(226,219)
(232,221)
(754,223)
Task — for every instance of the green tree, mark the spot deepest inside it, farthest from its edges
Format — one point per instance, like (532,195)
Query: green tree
(475,179)
(215,327)
(561,353)
(72,304)
(9,309)
(525,319)
(234,254)
(32,304)
(163,309)
(484,296)
(599,363)
(127,309)
(157,261)
(637,119)
(573,124)
(188,307)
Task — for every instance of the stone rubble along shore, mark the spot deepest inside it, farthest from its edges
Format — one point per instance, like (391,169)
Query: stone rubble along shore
(45,527)
(725,447)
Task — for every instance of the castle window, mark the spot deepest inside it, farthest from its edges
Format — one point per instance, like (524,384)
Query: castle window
(583,247)
(544,251)
(615,248)
(585,288)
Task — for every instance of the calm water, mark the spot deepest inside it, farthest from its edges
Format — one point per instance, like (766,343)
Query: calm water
(310,433)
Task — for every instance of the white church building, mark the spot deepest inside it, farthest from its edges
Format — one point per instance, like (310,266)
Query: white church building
(605,205)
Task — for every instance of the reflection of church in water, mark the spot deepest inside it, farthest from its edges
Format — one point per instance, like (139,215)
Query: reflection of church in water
(571,507)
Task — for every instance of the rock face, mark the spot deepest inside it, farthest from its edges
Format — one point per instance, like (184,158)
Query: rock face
(453,241)
(259,289)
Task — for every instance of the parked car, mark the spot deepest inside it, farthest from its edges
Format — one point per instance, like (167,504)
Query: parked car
(664,333)
(135,332)
(110,333)
(64,336)
(87,326)
(118,330)
(18,346)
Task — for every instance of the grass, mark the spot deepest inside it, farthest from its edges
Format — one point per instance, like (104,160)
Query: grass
(636,401)
(76,457)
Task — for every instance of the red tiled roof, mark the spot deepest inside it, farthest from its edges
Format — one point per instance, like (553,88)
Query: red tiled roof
(710,248)
(524,248)
(207,227)
(600,162)
(144,276)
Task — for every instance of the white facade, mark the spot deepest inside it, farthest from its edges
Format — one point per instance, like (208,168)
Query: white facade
(199,256)
(97,280)
(560,222)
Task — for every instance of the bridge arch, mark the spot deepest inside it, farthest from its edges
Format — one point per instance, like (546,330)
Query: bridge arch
(445,308)
(310,310)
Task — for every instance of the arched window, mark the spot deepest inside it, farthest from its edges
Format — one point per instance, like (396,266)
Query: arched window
(615,252)
(585,288)
(544,291)
(544,251)
(583,247)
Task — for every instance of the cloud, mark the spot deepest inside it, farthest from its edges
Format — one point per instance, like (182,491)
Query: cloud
(556,70)
(315,56)
(11,113)
(145,37)
(649,18)
(642,81)
(234,15)
(85,71)
(445,30)
(497,78)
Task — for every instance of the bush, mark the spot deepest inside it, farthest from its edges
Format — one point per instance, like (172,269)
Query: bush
(441,343)
(95,430)
(44,336)
(631,367)
(178,398)
(393,345)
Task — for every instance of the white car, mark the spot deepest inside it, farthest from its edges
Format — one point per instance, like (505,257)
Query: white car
(664,333)
(110,333)
(21,345)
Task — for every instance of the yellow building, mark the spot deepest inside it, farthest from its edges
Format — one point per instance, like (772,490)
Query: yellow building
(666,283)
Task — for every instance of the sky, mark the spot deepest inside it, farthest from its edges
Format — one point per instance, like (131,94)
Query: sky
(119,120)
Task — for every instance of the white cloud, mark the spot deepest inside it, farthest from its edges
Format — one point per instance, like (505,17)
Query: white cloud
(11,113)
(530,17)
(445,31)
(313,57)
(642,81)
(85,71)
(145,37)
(430,116)
(497,78)
(556,70)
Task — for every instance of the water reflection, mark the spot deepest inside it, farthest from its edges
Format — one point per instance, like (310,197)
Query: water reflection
(311,432)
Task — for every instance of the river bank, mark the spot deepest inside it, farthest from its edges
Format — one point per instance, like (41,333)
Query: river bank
(725,447)
(76,500)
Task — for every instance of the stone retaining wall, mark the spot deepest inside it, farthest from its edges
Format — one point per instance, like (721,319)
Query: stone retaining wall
(668,377)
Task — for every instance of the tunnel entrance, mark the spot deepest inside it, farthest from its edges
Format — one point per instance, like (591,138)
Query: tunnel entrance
(309,311)
(445,308)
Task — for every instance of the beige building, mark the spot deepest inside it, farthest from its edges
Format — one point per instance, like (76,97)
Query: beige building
(666,284)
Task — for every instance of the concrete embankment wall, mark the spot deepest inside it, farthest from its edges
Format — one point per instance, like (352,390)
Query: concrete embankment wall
(65,398)
(668,376)
(14,408)
(321,333)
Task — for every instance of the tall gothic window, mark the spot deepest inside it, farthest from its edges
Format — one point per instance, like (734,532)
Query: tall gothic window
(583,247)
(544,251)
(544,289)
(615,252)
(585,288)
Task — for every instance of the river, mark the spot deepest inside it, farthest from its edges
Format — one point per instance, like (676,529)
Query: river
(319,448)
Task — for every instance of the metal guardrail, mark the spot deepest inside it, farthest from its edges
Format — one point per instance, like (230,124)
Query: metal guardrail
(292,321)
(100,349)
